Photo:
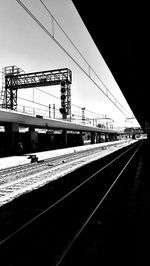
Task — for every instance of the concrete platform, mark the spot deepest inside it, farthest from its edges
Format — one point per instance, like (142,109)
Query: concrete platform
(12,161)
(143,222)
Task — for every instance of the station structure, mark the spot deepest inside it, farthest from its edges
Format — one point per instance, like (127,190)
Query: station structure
(14,79)
(56,133)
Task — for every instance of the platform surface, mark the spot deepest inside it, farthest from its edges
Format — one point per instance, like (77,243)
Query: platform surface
(12,161)
(143,223)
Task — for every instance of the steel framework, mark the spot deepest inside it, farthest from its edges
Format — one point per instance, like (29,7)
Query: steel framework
(7,96)
(15,80)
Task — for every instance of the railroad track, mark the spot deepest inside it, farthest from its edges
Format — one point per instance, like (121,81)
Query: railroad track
(55,232)
(21,179)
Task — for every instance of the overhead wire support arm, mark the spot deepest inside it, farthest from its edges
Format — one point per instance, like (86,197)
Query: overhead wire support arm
(42,78)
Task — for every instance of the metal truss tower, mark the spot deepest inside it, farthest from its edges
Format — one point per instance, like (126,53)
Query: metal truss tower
(15,80)
(8,95)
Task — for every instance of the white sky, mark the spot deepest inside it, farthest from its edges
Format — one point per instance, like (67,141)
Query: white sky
(24,44)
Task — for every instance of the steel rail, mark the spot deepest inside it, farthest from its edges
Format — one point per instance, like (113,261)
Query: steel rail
(63,198)
(45,162)
(11,171)
(34,166)
(78,233)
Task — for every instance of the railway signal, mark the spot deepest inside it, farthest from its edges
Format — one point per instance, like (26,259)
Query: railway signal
(15,79)
(65,99)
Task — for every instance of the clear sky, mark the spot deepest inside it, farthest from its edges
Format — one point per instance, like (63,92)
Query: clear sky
(24,44)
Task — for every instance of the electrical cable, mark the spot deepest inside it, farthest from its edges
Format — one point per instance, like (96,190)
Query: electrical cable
(115,102)
(31,101)
(71,103)
(80,53)
(56,109)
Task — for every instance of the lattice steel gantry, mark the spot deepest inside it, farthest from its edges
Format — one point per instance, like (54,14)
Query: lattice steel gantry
(15,80)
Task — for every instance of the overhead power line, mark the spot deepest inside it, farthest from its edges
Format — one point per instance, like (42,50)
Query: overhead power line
(71,103)
(76,116)
(32,101)
(111,97)
(89,66)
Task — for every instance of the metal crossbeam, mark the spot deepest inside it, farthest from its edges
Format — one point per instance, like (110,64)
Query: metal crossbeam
(14,81)
(39,79)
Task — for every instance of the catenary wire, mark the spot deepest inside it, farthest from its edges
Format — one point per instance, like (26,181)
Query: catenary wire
(31,101)
(54,39)
(79,52)
(71,103)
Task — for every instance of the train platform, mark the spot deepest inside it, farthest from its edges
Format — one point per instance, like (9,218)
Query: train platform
(11,161)
(143,216)
(134,232)
(17,177)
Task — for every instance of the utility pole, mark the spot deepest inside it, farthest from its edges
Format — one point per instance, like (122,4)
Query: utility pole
(54,111)
(83,115)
